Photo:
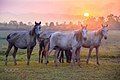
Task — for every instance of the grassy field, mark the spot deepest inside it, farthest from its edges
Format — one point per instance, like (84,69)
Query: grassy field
(109,68)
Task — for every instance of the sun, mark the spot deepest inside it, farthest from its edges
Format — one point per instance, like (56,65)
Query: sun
(86,14)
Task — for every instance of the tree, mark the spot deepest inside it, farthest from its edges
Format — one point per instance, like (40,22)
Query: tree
(30,24)
(13,22)
(46,24)
(21,23)
(57,24)
(51,24)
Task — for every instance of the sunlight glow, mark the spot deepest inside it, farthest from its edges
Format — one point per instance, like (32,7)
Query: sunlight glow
(86,14)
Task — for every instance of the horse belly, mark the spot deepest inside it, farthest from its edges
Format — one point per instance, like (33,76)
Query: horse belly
(21,44)
(64,44)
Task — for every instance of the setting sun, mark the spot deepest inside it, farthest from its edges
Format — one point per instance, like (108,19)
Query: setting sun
(86,14)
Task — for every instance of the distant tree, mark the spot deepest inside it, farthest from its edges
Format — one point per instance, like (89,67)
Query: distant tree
(46,24)
(14,23)
(57,24)
(64,23)
(113,21)
(101,19)
(51,24)
(30,24)
(79,23)
(71,23)
(21,23)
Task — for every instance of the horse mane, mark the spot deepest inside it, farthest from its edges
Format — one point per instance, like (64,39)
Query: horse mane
(78,35)
(32,31)
(98,32)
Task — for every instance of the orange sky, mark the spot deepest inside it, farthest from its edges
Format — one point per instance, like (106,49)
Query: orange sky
(69,7)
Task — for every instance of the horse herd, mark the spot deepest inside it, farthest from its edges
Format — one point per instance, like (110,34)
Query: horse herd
(68,41)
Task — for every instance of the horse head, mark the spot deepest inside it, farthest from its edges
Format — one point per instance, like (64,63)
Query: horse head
(84,32)
(105,31)
(37,28)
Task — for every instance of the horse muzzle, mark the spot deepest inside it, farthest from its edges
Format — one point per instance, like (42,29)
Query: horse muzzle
(105,37)
(85,39)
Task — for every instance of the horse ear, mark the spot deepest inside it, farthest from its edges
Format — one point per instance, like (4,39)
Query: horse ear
(81,25)
(102,25)
(39,22)
(107,25)
(35,22)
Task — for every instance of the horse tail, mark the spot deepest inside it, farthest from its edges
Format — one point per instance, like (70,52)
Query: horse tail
(8,37)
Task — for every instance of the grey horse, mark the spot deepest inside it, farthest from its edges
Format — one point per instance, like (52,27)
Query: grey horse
(66,41)
(23,40)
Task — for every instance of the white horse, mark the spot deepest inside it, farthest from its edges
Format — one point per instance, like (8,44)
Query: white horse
(23,40)
(66,41)
(94,40)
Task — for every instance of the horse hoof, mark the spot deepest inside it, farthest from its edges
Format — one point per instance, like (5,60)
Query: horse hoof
(41,61)
(59,60)
(98,63)
(15,64)
(28,64)
(47,61)
(87,63)
(56,65)
(62,61)
(5,63)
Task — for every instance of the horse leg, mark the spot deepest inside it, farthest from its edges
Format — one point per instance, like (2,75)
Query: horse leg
(97,51)
(73,57)
(39,55)
(68,56)
(62,56)
(59,55)
(78,56)
(7,52)
(89,54)
(47,54)
(43,54)
(14,55)
(55,57)
(29,51)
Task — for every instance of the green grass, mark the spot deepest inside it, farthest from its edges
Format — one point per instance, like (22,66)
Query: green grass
(109,68)
(105,71)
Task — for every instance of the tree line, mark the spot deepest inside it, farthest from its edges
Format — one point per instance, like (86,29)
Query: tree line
(92,22)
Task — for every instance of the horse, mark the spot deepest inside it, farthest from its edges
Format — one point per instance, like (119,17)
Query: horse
(23,40)
(66,41)
(43,40)
(94,40)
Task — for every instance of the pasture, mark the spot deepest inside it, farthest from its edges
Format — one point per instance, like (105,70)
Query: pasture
(109,68)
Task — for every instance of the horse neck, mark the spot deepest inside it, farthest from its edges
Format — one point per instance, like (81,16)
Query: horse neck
(99,34)
(78,35)
(32,32)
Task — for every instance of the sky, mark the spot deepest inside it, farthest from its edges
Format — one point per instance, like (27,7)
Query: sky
(70,7)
